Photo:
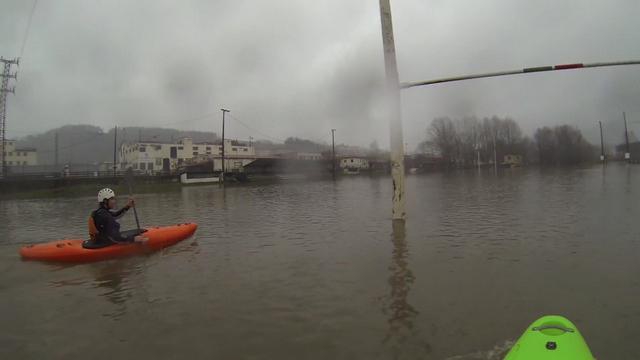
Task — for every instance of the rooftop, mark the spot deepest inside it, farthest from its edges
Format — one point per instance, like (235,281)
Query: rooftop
(218,143)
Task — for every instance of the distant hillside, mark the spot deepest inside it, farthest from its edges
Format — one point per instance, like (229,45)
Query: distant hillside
(84,144)
(88,144)
(294,144)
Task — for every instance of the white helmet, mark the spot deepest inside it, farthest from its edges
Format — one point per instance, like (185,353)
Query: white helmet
(104,194)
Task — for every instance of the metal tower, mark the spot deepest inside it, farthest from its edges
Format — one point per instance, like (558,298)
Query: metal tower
(4,90)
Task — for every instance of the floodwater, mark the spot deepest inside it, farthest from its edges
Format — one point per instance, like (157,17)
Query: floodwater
(315,270)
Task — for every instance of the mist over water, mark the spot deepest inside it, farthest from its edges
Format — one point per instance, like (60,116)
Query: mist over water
(300,69)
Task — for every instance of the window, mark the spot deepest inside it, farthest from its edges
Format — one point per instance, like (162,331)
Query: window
(10,153)
(195,148)
(219,148)
(245,149)
(208,148)
(195,153)
(143,149)
(24,163)
(180,148)
(10,162)
(158,162)
(234,149)
(208,152)
(143,166)
(351,160)
(150,166)
(135,166)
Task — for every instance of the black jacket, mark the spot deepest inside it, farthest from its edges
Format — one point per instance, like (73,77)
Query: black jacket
(108,227)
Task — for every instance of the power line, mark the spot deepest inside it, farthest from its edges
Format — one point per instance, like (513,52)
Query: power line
(86,141)
(200,117)
(256,130)
(28,28)
(323,141)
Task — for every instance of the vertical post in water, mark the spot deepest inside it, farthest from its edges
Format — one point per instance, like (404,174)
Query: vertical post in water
(601,143)
(333,153)
(627,155)
(495,154)
(224,111)
(393,111)
(115,146)
(55,144)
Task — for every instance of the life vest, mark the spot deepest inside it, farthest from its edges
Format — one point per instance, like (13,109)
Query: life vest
(93,230)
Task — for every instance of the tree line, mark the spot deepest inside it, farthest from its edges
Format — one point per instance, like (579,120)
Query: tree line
(465,142)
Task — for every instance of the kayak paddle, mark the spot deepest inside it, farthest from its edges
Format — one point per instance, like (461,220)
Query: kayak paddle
(128,175)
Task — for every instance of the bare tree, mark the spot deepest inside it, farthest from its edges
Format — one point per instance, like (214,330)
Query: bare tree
(562,145)
(442,133)
(461,140)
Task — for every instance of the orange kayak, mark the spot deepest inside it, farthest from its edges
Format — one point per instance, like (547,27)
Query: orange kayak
(72,251)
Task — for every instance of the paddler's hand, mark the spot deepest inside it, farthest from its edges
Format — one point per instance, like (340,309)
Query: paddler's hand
(140,239)
(130,203)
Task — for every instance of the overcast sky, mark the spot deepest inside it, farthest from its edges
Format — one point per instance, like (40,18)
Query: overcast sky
(300,68)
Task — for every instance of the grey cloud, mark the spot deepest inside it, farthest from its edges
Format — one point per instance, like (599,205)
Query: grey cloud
(299,68)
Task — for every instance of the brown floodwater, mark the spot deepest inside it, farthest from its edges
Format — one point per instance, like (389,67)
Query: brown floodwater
(315,270)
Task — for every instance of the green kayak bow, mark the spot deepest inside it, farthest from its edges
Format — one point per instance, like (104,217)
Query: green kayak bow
(551,337)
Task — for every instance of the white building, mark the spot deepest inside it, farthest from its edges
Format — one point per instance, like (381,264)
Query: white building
(354,164)
(308,156)
(153,157)
(19,156)
(294,155)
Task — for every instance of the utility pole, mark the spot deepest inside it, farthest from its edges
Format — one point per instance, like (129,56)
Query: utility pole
(478,151)
(224,111)
(333,153)
(4,90)
(393,111)
(601,143)
(627,155)
(115,146)
(55,144)
(495,155)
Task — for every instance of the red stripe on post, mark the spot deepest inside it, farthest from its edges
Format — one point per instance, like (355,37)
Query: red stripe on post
(568,66)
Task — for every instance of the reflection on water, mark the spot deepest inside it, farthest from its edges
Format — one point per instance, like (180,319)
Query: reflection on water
(111,278)
(497,353)
(400,313)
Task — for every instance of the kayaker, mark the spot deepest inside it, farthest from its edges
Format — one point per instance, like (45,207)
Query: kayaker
(104,230)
